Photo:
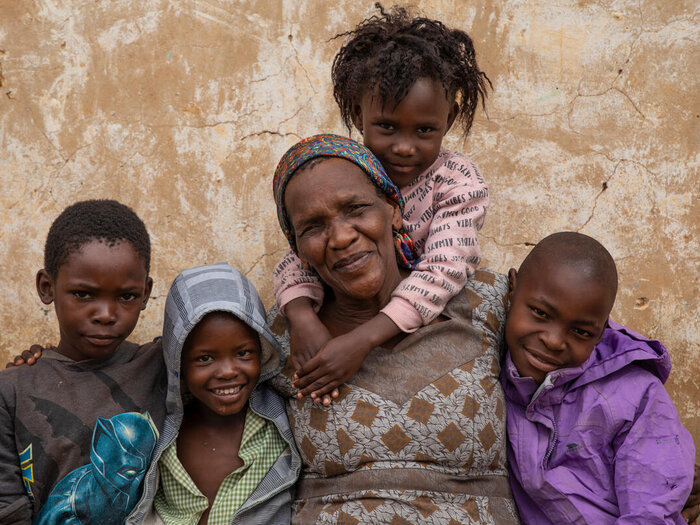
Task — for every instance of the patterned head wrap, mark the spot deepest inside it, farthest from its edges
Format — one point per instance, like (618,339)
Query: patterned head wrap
(336,146)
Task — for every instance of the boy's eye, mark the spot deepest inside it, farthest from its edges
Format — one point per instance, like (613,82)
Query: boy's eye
(538,312)
(425,129)
(80,294)
(204,358)
(582,333)
(129,296)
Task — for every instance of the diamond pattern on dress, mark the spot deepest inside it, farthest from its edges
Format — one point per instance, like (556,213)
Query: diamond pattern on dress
(396,439)
(451,437)
(365,413)
(420,410)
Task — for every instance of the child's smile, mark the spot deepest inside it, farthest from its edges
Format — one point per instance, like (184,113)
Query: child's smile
(407,138)
(221,363)
(556,318)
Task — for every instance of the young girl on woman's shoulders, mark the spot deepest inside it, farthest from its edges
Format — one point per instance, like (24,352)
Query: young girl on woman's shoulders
(401,81)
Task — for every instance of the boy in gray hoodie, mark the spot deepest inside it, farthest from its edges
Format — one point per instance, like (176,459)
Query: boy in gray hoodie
(226,453)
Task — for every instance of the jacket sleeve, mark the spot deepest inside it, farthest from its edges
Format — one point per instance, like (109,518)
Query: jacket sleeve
(290,281)
(15,507)
(451,250)
(654,457)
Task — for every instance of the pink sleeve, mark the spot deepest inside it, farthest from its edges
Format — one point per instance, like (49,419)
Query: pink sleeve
(451,248)
(290,281)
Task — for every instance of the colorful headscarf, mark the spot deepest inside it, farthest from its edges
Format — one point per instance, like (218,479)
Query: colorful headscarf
(328,145)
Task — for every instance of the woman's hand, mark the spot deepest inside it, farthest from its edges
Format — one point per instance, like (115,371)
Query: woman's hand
(28,357)
(691,511)
(337,362)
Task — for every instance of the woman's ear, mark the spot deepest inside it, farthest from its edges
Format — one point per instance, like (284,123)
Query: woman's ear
(44,286)
(396,217)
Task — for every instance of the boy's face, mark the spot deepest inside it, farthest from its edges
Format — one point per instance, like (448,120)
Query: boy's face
(556,318)
(407,138)
(221,363)
(98,295)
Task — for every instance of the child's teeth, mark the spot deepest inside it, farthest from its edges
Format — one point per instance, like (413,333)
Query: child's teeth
(226,391)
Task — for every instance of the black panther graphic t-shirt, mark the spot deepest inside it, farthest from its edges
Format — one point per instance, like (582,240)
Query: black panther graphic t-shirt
(48,413)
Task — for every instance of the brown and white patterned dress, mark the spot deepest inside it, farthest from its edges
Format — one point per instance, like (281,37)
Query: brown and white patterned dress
(418,435)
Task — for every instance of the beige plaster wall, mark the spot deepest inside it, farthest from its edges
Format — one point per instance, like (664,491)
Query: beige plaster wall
(181,109)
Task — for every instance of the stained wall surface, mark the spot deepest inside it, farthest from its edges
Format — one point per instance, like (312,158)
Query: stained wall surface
(181,109)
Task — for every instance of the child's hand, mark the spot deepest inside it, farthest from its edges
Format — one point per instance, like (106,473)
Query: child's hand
(691,511)
(337,362)
(28,357)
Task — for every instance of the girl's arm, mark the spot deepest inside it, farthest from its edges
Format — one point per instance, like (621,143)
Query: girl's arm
(446,232)
(299,294)
(341,358)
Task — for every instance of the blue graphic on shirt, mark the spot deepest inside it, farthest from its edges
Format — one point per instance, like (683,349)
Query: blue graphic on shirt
(26,462)
(106,490)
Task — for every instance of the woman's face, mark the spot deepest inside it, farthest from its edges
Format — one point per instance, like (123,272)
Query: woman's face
(343,228)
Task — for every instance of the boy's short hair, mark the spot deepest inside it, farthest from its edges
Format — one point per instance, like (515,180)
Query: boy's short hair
(105,220)
(579,251)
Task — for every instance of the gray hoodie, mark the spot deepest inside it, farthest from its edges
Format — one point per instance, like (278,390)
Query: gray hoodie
(194,294)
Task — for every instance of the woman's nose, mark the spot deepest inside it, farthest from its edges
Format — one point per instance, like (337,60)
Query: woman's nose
(341,235)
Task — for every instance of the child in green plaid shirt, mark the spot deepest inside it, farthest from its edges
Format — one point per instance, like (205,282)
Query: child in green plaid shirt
(226,453)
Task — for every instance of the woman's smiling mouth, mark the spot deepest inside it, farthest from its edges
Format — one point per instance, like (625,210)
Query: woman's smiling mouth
(352,262)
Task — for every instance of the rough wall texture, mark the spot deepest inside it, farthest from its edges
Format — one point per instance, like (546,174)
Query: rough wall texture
(182,109)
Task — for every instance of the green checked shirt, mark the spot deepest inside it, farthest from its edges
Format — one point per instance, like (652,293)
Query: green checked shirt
(179,501)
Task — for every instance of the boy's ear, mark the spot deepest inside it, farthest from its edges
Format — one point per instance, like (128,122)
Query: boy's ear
(357,117)
(147,293)
(44,286)
(451,116)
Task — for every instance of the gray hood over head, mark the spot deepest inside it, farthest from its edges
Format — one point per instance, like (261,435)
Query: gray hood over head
(195,293)
(201,291)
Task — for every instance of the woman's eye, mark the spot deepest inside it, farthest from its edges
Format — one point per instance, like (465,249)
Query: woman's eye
(309,230)
(358,208)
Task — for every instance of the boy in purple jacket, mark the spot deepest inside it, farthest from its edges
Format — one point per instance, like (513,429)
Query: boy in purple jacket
(593,436)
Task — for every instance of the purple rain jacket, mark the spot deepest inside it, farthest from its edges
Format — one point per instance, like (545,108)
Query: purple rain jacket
(600,443)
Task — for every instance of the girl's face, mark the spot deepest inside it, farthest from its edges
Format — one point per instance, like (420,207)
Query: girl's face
(221,363)
(406,138)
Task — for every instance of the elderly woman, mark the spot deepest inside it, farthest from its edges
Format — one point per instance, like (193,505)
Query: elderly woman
(418,434)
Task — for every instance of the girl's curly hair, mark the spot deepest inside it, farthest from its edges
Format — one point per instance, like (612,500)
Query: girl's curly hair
(390,51)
